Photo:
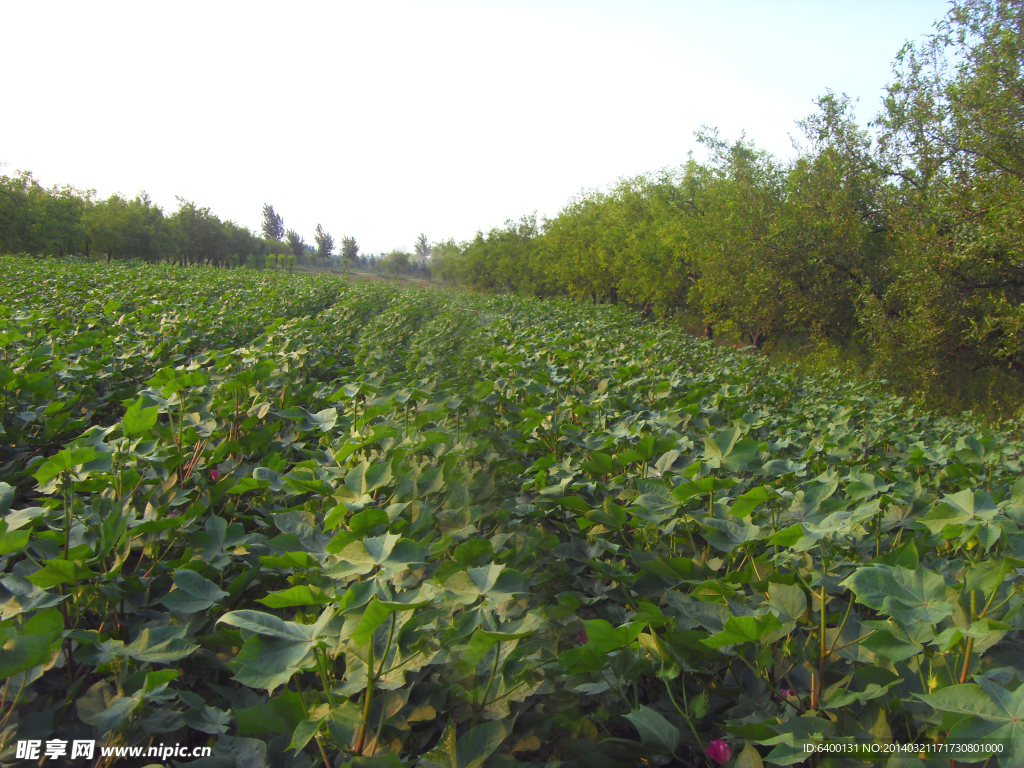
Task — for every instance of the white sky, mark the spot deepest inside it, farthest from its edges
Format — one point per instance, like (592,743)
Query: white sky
(389,118)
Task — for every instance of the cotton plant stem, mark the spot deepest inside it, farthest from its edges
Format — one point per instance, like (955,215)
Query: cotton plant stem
(371,681)
(323,751)
(970,640)
(490,680)
(367,699)
(824,650)
(839,632)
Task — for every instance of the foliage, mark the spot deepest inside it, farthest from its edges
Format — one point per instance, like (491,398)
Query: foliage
(422,248)
(349,250)
(903,240)
(304,520)
(34,219)
(296,243)
(324,243)
(952,135)
(273,224)
(396,262)
(119,228)
(62,221)
(908,242)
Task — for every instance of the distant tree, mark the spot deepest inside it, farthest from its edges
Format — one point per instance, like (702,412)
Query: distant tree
(199,236)
(324,243)
(119,228)
(349,250)
(396,262)
(39,220)
(296,243)
(444,259)
(273,224)
(422,248)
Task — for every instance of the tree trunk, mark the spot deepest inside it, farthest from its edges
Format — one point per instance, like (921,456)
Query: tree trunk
(709,331)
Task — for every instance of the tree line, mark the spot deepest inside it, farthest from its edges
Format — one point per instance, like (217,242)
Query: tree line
(905,235)
(63,220)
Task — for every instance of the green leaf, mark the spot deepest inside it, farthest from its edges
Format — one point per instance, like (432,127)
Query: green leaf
(789,601)
(376,612)
(601,634)
(6,498)
(480,742)
(302,594)
(364,478)
(884,643)
(26,651)
(390,552)
(281,714)
(993,713)
(60,571)
(48,622)
(63,461)
(574,503)
(655,731)
(251,753)
(988,576)
(267,625)
(744,629)
(908,596)
(963,508)
(290,560)
(161,645)
(303,732)
(208,720)
(137,420)
(444,754)
(270,662)
(787,537)
(749,757)
(12,541)
(197,586)
(160,677)
(750,500)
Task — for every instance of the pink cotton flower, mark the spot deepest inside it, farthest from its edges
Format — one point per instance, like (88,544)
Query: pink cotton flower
(786,692)
(582,636)
(214,475)
(719,751)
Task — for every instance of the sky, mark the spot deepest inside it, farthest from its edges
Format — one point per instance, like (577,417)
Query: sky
(381,120)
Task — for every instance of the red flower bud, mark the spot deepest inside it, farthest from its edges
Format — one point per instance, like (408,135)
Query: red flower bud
(719,751)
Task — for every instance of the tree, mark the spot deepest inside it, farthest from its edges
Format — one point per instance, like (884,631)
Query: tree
(444,260)
(119,228)
(200,237)
(422,248)
(296,243)
(396,262)
(743,279)
(349,250)
(39,220)
(324,243)
(952,143)
(273,224)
